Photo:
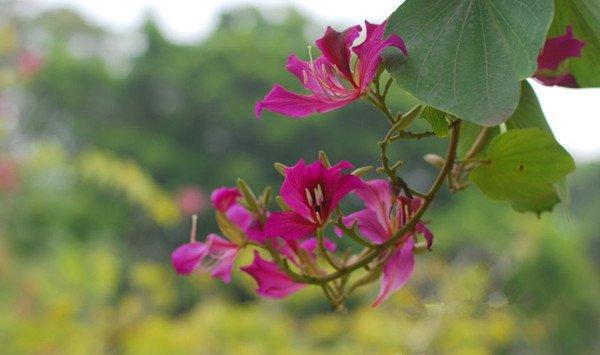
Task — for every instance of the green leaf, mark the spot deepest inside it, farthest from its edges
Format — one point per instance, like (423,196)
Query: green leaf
(466,57)
(523,165)
(545,202)
(529,113)
(468,134)
(437,119)
(584,16)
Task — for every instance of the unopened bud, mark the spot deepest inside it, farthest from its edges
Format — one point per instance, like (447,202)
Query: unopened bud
(248,195)
(324,159)
(406,120)
(265,197)
(434,160)
(282,205)
(360,172)
(280,168)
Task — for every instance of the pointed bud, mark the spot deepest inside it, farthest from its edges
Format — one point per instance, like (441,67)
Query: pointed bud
(282,205)
(280,168)
(406,120)
(229,230)
(360,172)
(265,197)
(248,195)
(434,160)
(324,159)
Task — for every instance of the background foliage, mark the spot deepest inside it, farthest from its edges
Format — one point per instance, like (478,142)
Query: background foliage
(99,138)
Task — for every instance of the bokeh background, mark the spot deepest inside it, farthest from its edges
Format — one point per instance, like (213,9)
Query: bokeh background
(109,141)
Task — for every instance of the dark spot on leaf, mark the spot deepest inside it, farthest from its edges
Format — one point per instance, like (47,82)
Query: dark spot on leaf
(521,167)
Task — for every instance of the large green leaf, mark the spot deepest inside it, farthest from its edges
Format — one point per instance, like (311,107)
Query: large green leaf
(466,57)
(522,166)
(584,16)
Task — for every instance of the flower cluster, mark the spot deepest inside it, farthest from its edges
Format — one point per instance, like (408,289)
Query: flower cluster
(291,247)
(294,237)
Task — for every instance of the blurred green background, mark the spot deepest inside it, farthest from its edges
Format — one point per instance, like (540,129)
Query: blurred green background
(108,142)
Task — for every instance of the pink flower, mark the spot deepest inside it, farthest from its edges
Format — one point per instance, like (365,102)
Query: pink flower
(556,50)
(330,79)
(10,179)
(216,256)
(29,63)
(224,199)
(313,193)
(272,282)
(383,216)
(191,200)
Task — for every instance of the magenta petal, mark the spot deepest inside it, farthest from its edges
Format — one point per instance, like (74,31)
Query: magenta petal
(294,105)
(272,282)
(339,187)
(396,271)
(223,197)
(288,225)
(312,75)
(293,188)
(427,234)
(220,257)
(558,49)
(224,267)
(335,46)
(369,225)
(311,244)
(240,216)
(188,257)
(369,52)
(565,80)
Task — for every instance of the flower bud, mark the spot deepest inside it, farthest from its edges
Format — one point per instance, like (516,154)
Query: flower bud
(280,168)
(248,195)
(282,205)
(360,172)
(434,160)
(406,120)
(324,159)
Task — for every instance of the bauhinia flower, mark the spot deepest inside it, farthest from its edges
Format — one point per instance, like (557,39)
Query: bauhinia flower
(555,51)
(312,192)
(215,256)
(225,200)
(332,79)
(383,216)
(272,282)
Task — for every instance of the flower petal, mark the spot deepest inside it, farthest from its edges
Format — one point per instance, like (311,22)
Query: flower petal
(337,187)
(427,234)
(558,49)
(272,282)
(297,179)
(369,225)
(335,46)
(396,271)
(224,267)
(240,216)
(285,102)
(188,257)
(369,52)
(223,198)
(288,225)
(565,80)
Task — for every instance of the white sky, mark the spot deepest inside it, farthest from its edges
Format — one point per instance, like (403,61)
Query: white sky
(573,114)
